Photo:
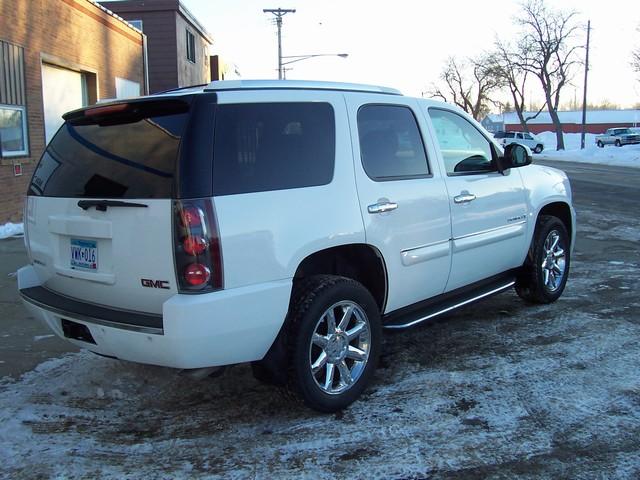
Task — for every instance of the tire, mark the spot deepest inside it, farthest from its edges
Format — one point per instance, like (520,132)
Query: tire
(328,366)
(544,274)
(538,149)
(600,144)
(618,144)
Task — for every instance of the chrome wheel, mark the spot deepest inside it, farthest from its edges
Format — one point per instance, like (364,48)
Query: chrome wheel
(554,261)
(340,347)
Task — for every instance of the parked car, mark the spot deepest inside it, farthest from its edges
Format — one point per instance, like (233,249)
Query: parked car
(282,223)
(617,137)
(528,139)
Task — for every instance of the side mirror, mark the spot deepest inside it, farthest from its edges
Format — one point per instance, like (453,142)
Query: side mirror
(515,155)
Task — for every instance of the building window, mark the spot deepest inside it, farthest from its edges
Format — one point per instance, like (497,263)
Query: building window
(191,47)
(13,131)
(13,114)
(136,23)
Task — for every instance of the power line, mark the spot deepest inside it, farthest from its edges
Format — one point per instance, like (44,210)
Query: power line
(279,13)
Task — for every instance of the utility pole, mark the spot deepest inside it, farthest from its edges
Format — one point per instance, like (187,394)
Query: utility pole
(279,13)
(584,98)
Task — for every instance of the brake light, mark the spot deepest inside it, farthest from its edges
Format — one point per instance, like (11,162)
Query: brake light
(106,110)
(197,250)
(194,245)
(196,274)
(191,216)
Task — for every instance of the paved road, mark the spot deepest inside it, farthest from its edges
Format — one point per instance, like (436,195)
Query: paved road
(24,343)
(495,390)
(600,185)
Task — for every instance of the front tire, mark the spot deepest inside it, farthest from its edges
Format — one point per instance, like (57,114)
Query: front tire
(544,275)
(334,342)
(618,144)
(538,149)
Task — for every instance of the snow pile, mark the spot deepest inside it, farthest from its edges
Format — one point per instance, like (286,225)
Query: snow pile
(626,156)
(11,230)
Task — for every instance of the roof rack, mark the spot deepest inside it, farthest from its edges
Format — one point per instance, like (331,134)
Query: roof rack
(225,85)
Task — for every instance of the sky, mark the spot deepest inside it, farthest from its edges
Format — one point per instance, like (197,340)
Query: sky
(404,44)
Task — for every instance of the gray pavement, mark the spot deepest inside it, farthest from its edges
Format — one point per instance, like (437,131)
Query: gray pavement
(24,342)
(499,389)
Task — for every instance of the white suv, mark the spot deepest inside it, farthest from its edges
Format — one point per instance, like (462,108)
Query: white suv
(282,223)
(523,138)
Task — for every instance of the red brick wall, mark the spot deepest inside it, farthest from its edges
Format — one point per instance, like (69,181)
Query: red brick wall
(75,34)
(596,128)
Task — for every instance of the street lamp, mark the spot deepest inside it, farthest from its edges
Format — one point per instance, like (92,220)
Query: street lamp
(299,58)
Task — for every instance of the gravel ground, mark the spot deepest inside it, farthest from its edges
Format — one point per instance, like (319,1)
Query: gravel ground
(497,390)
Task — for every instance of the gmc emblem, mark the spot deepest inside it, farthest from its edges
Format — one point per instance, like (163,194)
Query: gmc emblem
(146,282)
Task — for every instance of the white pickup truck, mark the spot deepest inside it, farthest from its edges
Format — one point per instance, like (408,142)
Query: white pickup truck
(617,137)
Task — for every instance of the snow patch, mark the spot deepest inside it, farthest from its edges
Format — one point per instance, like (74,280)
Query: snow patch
(11,230)
(626,156)
(37,338)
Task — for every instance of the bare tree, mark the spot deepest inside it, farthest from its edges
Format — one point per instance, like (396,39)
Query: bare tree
(467,83)
(508,65)
(546,50)
(635,58)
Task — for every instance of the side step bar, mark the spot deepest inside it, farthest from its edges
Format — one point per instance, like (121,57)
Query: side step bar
(423,311)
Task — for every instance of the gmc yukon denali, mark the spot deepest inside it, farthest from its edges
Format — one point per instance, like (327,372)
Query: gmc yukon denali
(282,223)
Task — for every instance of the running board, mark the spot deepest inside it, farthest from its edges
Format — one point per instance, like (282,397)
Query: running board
(413,315)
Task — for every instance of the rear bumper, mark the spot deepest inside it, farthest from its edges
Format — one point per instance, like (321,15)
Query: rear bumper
(221,328)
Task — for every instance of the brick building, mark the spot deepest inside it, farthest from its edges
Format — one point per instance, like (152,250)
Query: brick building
(56,55)
(178,44)
(597,121)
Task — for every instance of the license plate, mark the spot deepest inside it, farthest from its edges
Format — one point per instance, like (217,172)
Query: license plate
(84,254)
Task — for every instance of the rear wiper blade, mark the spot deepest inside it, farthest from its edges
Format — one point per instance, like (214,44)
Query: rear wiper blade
(103,204)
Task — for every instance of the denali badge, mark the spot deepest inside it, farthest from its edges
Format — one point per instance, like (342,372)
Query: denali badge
(146,282)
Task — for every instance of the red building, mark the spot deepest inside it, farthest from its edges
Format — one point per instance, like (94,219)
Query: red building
(55,56)
(597,121)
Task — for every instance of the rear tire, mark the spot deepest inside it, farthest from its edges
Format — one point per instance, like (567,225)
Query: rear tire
(544,274)
(600,144)
(334,342)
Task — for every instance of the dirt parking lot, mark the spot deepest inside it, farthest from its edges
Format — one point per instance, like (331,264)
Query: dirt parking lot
(497,390)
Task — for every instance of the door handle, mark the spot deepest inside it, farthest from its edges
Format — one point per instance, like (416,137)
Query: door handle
(382,207)
(464,198)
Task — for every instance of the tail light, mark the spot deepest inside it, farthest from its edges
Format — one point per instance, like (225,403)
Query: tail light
(197,251)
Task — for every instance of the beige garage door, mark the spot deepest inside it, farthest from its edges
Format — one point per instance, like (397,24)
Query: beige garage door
(62,90)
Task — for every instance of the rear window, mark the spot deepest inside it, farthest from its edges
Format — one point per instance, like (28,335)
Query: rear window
(272,146)
(128,154)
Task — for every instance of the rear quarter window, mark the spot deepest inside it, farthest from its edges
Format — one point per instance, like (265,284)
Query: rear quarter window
(272,146)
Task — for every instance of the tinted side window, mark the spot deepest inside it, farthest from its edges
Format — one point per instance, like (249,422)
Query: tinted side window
(464,149)
(510,135)
(390,142)
(272,146)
